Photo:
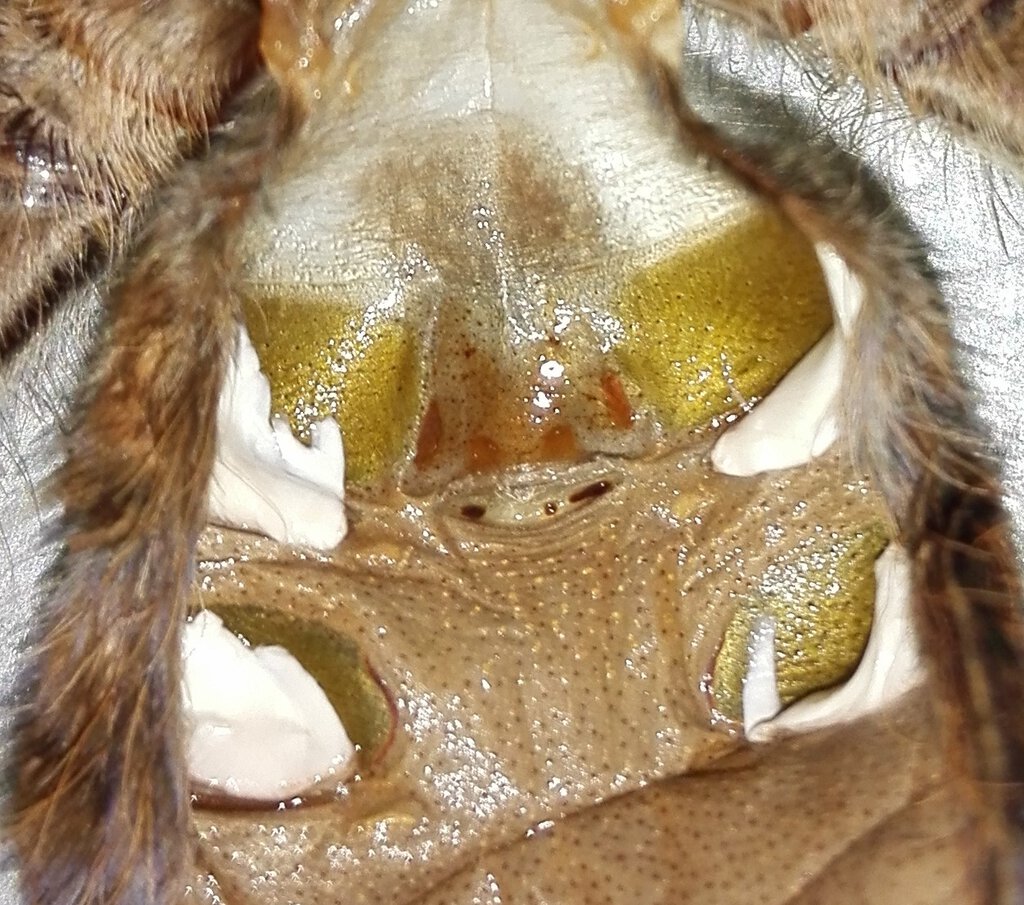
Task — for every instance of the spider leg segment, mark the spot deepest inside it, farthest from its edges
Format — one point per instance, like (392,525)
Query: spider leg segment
(101,806)
(90,123)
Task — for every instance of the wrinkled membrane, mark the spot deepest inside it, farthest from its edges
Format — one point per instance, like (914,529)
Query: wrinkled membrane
(565,717)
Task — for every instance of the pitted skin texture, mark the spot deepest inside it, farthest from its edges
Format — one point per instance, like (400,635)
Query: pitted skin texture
(547,609)
(548,681)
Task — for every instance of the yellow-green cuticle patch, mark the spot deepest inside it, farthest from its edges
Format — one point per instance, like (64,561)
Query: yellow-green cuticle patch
(717,325)
(821,598)
(326,359)
(332,659)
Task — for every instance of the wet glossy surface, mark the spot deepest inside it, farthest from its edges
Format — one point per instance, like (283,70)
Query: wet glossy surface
(532,309)
(537,667)
(334,661)
(856,816)
(682,343)
(712,328)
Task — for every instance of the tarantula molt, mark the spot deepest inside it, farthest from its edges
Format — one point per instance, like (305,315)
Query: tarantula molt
(476,356)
